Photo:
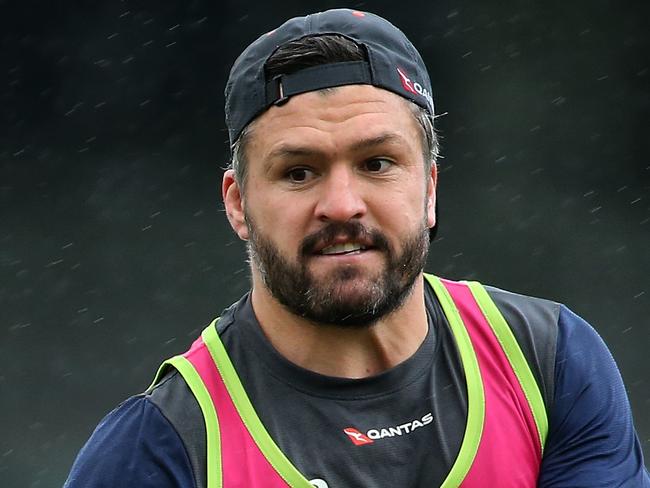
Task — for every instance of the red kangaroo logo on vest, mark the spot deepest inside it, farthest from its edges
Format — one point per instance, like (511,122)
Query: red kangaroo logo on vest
(359,438)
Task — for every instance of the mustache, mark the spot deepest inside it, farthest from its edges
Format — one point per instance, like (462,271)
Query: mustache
(353,231)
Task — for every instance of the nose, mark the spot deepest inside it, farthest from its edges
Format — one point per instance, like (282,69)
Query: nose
(340,198)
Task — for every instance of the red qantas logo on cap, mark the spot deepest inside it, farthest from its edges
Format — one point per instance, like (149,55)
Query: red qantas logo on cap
(357,437)
(406,82)
(414,87)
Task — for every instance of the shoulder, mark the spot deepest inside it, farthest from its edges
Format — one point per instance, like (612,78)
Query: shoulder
(135,445)
(592,440)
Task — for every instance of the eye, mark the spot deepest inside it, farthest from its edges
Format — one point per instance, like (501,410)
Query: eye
(299,175)
(378,165)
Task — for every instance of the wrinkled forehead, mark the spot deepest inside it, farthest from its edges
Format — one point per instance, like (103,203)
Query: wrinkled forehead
(339,122)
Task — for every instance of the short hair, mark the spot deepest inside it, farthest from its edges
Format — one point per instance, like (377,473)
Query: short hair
(314,51)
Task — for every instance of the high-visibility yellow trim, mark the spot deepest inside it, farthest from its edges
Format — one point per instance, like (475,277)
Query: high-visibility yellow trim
(213,437)
(242,403)
(475,393)
(515,356)
(159,374)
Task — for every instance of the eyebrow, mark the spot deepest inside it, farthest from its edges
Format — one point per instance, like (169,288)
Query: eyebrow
(292,151)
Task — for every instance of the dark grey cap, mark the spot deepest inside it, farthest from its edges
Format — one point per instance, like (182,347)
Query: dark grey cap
(393,64)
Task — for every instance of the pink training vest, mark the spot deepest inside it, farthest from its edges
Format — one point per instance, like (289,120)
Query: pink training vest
(509,451)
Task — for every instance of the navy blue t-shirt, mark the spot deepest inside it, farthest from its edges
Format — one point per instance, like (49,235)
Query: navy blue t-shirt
(591,440)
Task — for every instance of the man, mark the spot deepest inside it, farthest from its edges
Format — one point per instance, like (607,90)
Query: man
(345,365)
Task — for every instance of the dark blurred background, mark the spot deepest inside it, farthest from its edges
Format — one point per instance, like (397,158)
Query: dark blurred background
(114,251)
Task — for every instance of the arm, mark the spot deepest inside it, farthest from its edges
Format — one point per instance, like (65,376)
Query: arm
(134,446)
(592,441)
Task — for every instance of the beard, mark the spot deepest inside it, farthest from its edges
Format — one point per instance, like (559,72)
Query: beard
(334,299)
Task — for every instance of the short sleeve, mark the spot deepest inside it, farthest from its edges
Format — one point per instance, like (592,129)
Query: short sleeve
(592,441)
(134,446)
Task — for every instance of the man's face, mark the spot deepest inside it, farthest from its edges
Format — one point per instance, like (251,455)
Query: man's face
(337,205)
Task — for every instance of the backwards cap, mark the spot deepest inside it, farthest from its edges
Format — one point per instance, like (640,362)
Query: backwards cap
(393,64)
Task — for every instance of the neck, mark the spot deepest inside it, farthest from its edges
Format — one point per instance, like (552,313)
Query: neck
(346,352)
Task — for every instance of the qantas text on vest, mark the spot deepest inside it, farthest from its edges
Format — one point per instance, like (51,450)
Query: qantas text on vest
(359,439)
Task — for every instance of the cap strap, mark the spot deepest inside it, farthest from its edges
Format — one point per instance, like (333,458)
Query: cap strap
(280,88)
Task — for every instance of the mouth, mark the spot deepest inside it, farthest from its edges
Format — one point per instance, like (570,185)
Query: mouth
(346,242)
(343,248)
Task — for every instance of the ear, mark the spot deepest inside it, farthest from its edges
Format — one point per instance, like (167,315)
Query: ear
(432,184)
(234,204)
